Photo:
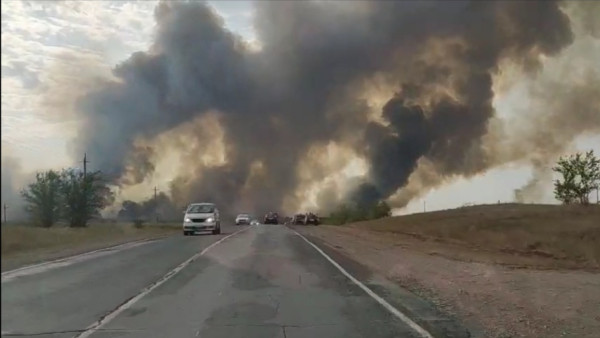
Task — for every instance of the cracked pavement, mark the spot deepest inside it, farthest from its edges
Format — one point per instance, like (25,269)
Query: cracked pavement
(264,282)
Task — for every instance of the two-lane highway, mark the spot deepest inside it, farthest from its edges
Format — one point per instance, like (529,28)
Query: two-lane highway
(265,281)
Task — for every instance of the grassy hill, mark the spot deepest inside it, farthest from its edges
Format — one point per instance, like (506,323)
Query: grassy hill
(570,233)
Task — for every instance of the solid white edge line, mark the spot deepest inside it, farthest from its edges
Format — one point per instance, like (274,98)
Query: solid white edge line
(83,254)
(111,315)
(376,297)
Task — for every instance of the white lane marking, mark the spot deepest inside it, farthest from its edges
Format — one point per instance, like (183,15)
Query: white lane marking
(370,292)
(57,263)
(110,316)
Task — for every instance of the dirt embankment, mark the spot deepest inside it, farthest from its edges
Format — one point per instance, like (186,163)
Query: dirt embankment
(23,245)
(504,270)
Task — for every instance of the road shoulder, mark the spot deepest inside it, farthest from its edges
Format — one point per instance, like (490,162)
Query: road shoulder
(421,311)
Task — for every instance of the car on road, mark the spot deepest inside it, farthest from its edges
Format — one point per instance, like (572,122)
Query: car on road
(201,217)
(243,219)
(271,218)
(254,222)
(299,219)
(312,219)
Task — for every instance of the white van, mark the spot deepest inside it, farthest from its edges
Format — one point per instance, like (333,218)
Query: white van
(201,217)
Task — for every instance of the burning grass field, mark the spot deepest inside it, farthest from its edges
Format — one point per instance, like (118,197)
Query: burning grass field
(22,244)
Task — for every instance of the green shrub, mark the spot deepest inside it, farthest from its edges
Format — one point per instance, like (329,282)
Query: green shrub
(346,213)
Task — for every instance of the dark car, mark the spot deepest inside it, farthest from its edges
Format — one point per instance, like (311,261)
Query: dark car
(271,218)
(312,219)
(299,219)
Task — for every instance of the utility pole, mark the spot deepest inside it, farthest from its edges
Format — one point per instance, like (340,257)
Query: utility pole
(424,206)
(86,197)
(85,162)
(155,206)
(5,213)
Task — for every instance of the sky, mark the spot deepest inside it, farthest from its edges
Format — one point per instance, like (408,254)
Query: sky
(39,37)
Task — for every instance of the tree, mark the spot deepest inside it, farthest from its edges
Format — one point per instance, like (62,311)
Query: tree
(580,176)
(380,210)
(347,213)
(43,198)
(130,211)
(83,196)
(340,215)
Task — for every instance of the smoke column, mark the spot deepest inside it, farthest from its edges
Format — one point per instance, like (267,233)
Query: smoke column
(244,119)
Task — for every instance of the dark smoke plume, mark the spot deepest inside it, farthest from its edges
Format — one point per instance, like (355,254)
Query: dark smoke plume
(304,86)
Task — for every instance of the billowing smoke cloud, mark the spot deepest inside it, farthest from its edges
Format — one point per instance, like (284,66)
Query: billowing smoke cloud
(303,88)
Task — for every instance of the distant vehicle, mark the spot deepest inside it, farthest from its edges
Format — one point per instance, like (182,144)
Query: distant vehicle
(242,219)
(201,217)
(312,219)
(299,219)
(271,218)
(255,222)
(287,220)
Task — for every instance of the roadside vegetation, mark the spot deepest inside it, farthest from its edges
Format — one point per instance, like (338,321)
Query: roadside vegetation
(70,196)
(24,244)
(349,213)
(64,219)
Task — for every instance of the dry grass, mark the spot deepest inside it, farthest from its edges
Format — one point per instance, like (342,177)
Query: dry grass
(558,233)
(26,245)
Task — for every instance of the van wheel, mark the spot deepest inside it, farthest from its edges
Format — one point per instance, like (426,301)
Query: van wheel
(185,233)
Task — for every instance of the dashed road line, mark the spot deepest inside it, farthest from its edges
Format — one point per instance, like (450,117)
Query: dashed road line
(127,304)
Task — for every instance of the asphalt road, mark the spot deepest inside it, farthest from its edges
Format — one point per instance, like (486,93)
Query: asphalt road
(262,282)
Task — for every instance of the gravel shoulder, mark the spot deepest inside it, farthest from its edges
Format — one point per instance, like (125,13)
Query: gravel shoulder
(491,299)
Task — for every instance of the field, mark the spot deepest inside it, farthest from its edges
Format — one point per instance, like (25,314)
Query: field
(514,234)
(22,245)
